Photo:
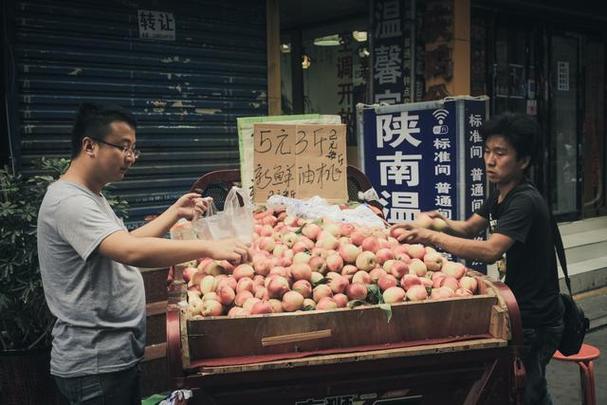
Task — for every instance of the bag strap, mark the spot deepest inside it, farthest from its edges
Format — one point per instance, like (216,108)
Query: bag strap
(560,250)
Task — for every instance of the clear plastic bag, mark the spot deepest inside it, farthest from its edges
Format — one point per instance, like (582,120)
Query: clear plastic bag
(235,221)
(241,216)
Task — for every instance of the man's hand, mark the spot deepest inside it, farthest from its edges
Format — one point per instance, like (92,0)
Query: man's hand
(191,205)
(409,233)
(232,250)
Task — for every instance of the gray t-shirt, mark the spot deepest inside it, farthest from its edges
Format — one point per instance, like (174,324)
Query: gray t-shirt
(99,303)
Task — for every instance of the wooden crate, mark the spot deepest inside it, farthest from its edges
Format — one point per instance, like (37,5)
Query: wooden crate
(479,317)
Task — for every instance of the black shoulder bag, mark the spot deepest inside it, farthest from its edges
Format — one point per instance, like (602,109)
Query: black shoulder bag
(576,323)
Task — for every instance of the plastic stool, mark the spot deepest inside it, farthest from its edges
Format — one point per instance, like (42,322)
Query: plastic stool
(584,360)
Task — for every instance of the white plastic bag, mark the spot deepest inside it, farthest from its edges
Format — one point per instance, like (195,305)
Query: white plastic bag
(240,216)
(235,221)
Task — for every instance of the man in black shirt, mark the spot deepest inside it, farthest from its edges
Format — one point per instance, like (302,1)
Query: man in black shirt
(521,242)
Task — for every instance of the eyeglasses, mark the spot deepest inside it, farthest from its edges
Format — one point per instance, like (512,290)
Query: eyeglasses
(126,150)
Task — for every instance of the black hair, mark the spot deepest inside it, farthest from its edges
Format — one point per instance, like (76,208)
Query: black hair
(94,120)
(520,130)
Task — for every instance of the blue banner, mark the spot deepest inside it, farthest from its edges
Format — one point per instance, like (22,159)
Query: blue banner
(424,157)
(410,159)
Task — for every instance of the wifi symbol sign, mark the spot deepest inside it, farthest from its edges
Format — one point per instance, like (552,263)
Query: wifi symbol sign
(440,115)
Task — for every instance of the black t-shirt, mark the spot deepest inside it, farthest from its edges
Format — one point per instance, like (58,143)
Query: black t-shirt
(531,270)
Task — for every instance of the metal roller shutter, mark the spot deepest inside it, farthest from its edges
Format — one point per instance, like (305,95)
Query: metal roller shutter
(186,93)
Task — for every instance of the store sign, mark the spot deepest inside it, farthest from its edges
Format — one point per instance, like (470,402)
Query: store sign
(425,157)
(562,71)
(393,48)
(409,158)
(156,25)
(300,161)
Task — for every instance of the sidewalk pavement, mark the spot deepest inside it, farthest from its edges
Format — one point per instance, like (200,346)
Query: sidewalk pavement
(564,377)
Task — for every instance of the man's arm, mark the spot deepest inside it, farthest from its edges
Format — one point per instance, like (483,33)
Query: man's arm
(465,229)
(487,251)
(158,252)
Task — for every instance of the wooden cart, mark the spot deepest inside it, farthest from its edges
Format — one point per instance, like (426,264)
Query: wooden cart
(454,351)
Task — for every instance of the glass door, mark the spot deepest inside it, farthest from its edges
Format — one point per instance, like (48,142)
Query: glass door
(593,130)
(565,176)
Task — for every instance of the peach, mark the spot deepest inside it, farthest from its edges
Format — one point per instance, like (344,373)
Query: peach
(346,229)
(311,231)
(278,271)
(276,305)
(208,284)
(289,239)
(376,273)
(316,277)
(349,252)
(387,281)
(236,312)
(370,244)
(226,295)
(396,232)
(188,273)
(348,271)
(393,295)
(303,287)
(327,242)
(262,266)
(243,270)
(450,282)
(326,303)
(341,300)
(416,251)
(366,261)
(261,308)
(356,291)
(454,269)
(423,221)
(362,277)
(261,292)
(249,302)
(278,286)
(357,237)
(301,257)
(334,262)
(321,291)
(245,283)
(318,264)
(338,284)
(399,269)
(292,301)
(469,283)
(301,271)
(241,297)
(409,280)
(433,261)
(267,243)
(463,292)
(309,304)
(417,267)
(441,293)
(211,308)
(417,293)
(383,255)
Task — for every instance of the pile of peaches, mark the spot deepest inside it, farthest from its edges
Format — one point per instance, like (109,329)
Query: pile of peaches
(297,264)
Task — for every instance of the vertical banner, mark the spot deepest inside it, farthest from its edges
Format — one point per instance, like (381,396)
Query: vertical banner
(425,156)
(393,49)
(474,115)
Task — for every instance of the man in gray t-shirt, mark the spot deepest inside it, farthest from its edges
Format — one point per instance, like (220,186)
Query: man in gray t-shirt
(87,260)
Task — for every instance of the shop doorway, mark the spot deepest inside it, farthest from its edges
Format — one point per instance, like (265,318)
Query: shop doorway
(577,126)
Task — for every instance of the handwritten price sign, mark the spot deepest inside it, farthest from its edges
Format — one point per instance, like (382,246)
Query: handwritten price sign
(300,161)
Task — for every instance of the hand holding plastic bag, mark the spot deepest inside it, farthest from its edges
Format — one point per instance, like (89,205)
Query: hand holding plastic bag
(235,221)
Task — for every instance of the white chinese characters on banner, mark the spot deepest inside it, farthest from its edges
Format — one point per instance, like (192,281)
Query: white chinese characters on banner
(404,205)
(388,20)
(401,127)
(477,188)
(399,168)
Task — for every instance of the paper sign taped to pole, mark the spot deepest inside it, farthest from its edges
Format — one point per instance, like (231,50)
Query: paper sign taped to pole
(300,161)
